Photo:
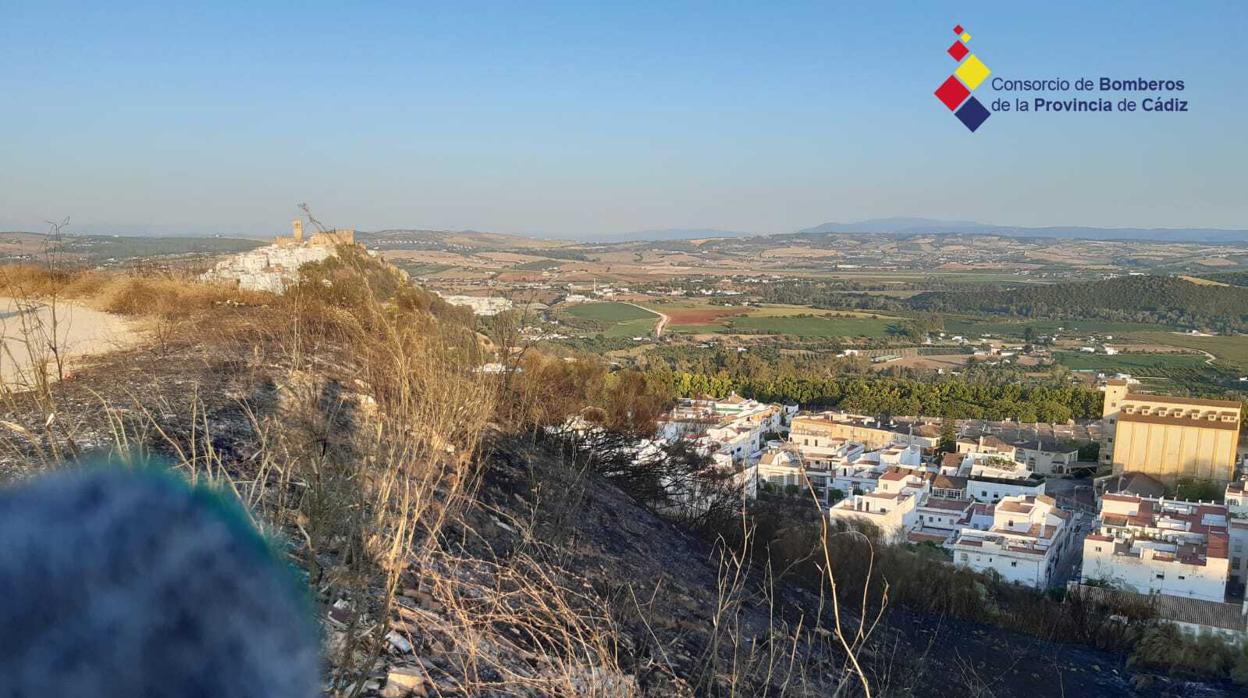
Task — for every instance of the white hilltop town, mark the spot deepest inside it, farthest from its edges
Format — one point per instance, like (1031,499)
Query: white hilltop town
(999,500)
(274,267)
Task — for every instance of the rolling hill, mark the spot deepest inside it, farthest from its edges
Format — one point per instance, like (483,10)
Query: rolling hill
(930,226)
(1142,298)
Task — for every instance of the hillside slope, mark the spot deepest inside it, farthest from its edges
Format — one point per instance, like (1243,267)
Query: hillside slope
(1145,297)
(542,532)
(448,555)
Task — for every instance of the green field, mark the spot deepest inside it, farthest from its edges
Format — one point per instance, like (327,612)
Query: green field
(1142,363)
(621,319)
(421,269)
(611,312)
(1231,351)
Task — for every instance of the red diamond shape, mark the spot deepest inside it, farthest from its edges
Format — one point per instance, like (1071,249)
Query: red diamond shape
(957,29)
(958,50)
(952,93)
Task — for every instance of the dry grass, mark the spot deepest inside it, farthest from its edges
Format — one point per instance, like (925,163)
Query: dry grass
(158,295)
(366,462)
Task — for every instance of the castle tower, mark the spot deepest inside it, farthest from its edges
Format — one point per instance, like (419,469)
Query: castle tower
(296,227)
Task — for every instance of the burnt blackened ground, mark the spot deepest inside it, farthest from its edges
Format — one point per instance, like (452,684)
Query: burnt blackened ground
(604,535)
(662,584)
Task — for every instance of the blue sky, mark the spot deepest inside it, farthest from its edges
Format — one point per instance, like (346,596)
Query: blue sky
(592,118)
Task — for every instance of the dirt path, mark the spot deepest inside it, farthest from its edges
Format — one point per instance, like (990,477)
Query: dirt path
(32,334)
(658,329)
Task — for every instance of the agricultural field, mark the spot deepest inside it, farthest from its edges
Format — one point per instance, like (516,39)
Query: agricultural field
(793,320)
(1145,363)
(701,317)
(1230,351)
(823,326)
(617,319)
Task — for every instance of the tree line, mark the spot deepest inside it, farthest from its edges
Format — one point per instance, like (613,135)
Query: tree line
(950,397)
(1167,300)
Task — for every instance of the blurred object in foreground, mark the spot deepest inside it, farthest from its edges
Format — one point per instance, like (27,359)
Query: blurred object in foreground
(131,583)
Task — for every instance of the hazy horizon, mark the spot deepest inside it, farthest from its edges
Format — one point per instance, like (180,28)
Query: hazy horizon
(586,122)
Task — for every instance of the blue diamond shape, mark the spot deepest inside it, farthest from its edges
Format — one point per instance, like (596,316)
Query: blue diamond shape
(972,114)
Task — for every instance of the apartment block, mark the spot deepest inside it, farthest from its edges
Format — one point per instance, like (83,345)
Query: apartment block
(1160,546)
(1027,537)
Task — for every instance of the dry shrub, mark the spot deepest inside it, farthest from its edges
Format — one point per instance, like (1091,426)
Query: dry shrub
(144,296)
(382,413)
(370,454)
(512,626)
(35,280)
(167,296)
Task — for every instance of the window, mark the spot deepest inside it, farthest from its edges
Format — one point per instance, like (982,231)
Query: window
(1161,575)
(1181,577)
(1098,548)
(1013,563)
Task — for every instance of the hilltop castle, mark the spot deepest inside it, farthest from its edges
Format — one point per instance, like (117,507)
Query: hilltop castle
(274,267)
(329,238)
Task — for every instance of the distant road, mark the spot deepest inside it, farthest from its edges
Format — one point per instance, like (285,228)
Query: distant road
(658,329)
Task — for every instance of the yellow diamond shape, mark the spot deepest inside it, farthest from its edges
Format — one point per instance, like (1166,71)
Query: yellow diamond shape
(966,36)
(972,71)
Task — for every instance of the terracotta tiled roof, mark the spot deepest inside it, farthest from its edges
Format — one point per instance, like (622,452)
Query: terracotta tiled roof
(1015,506)
(1179,609)
(1218,546)
(949,482)
(1178,421)
(947,503)
(1203,402)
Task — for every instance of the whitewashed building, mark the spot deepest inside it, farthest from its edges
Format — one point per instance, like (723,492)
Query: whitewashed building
(734,426)
(1160,546)
(893,513)
(1236,499)
(1027,537)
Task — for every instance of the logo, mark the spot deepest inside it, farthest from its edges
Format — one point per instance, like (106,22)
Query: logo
(955,92)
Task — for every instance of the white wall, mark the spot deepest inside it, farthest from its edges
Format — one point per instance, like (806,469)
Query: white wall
(993,491)
(1030,570)
(1144,575)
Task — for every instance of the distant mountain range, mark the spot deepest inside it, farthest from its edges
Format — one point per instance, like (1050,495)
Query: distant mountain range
(932,226)
(929,226)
